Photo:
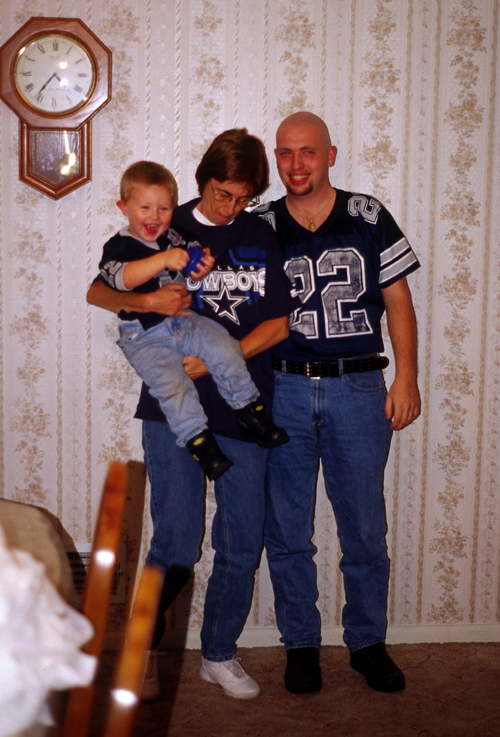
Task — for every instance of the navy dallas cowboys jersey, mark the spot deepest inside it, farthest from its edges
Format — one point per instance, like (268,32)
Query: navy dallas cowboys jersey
(339,271)
(123,248)
(246,287)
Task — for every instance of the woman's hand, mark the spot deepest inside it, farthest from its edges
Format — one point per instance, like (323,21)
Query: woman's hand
(172,299)
(194,367)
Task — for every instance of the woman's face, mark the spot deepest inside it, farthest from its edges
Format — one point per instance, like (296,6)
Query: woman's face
(221,213)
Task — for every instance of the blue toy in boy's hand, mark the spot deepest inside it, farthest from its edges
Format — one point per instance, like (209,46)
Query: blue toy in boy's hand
(196,256)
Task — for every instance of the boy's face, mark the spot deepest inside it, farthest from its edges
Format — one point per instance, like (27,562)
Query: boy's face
(149,210)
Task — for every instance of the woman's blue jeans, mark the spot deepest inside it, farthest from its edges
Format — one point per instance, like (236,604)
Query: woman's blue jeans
(342,422)
(178,512)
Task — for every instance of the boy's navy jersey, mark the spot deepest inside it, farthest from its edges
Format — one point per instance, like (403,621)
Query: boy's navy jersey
(123,248)
(339,271)
(246,287)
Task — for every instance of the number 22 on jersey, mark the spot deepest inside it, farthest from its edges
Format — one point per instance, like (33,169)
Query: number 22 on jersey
(344,274)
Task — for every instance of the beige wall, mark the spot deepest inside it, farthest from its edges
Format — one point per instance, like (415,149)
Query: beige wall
(409,89)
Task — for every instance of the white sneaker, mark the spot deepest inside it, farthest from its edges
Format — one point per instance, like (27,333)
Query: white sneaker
(231,676)
(150,690)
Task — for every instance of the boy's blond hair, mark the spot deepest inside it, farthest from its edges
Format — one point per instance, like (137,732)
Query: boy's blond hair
(147,172)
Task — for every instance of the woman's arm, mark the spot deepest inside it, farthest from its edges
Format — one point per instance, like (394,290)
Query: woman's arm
(264,336)
(260,339)
(173,299)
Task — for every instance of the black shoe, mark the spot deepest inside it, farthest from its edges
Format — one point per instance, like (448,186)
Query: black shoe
(254,426)
(303,672)
(380,671)
(206,451)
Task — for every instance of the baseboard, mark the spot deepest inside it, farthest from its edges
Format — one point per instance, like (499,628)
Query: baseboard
(396,635)
(407,634)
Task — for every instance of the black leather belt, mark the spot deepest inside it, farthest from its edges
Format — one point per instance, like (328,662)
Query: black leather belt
(330,369)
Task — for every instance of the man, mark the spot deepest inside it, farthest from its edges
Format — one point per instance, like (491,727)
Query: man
(349,261)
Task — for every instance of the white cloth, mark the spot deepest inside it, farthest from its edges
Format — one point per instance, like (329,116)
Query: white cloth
(40,640)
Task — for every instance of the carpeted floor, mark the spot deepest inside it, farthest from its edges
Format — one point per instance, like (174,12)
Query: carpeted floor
(453,690)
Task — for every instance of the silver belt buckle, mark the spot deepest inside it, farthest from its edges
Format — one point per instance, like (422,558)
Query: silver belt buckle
(308,368)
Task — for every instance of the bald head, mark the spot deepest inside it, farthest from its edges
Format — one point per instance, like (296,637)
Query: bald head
(305,119)
(304,154)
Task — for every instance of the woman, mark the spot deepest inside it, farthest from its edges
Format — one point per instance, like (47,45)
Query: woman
(248,293)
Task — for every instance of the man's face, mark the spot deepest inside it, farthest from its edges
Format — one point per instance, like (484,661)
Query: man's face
(149,210)
(221,213)
(303,157)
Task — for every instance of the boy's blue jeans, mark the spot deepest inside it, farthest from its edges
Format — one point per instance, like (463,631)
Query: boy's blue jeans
(342,422)
(156,354)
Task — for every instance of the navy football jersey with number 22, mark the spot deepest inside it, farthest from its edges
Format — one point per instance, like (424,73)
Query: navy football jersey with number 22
(339,271)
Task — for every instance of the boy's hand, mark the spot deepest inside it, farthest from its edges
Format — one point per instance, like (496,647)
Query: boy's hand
(176,259)
(205,267)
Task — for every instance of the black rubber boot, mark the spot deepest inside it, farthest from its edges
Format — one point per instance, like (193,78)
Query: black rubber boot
(206,451)
(254,426)
(303,672)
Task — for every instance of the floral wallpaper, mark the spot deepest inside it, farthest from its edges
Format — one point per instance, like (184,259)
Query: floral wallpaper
(410,92)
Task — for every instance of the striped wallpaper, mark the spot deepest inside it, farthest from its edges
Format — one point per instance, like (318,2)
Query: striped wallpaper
(410,92)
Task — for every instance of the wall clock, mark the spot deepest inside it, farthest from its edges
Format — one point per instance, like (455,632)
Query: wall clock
(55,75)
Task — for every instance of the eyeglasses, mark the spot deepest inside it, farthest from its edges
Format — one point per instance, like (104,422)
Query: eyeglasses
(240,201)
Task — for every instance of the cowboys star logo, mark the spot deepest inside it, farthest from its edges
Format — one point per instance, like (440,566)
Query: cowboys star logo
(224,304)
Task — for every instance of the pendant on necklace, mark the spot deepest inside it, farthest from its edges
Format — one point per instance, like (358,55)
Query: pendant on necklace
(312,225)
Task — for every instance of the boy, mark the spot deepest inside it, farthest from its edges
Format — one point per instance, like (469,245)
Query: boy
(143,257)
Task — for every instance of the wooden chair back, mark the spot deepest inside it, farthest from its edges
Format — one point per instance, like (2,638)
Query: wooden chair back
(125,694)
(97,590)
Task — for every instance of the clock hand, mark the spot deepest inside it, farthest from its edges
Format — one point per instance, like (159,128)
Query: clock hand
(47,82)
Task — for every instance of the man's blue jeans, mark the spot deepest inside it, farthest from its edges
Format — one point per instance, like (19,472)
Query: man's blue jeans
(156,354)
(178,512)
(342,422)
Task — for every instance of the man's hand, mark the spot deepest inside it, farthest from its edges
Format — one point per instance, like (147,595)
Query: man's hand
(402,404)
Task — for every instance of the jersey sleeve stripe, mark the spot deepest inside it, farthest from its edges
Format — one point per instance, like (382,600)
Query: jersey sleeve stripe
(112,272)
(394,251)
(401,266)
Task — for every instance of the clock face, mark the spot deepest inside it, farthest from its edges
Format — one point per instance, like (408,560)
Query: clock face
(54,74)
